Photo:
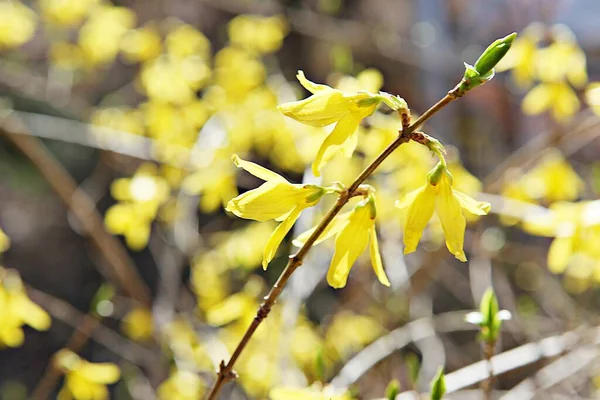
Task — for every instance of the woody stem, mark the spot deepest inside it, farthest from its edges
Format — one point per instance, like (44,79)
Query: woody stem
(225,372)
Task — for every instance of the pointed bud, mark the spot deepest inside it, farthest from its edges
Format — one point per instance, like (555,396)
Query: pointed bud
(392,390)
(493,54)
(438,385)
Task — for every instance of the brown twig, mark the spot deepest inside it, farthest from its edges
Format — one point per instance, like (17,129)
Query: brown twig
(488,384)
(225,372)
(122,268)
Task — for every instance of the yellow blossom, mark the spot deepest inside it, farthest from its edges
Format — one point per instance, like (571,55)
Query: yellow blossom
(181,385)
(66,55)
(185,41)
(576,229)
(557,97)
(315,392)
(138,324)
(100,37)
(85,380)
(16,310)
(66,12)
(551,179)
(327,106)
(439,196)
(354,230)
(275,199)
(17,24)
(4,242)
(263,35)
(563,59)
(592,96)
(141,44)
(522,56)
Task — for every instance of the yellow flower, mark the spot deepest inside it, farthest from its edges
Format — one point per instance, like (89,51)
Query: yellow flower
(85,380)
(66,12)
(563,59)
(263,35)
(181,385)
(592,96)
(17,24)
(185,41)
(327,106)
(552,179)
(315,392)
(354,230)
(16,310)
(275,199)
(439,196)
(138,324)
(4,242)
(558,97)
(576,228)
(141,44)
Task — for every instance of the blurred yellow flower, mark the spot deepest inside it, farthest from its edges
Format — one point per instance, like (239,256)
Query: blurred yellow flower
(563,60)
(120,119)
(439,196)
(275,199)
(327,106)
(215,183)
(66,55)
(4,242)
(66,12)
(138,324)
(185,41)
(551,179)
(260,34)
(100,37)
(349,333)
(315,392)
(16,310)
(592,96)
(141,44)
(557,97)
(181,385)
(576,229)
(17,24)
(85,380)
(354,230)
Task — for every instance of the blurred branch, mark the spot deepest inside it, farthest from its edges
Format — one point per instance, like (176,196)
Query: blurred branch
(86,326)
(521,356)
(123,270)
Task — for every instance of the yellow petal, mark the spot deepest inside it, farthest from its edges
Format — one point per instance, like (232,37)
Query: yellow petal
(559,254)
(376,258)
(344,129)
(471,205)
(418,214)
(309,85)
(277,236)
(566,103)
(104,373)
(453,222)
(350,242)
(334,227)
(269,201)
(538,99)
(321,109)
(30,313)
(11,335)
(257,170)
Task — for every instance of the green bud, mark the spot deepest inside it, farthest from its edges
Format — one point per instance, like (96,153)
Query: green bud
(493,54)
(434,176)
(394,102)
(392,390)
(320,366)
(103,296)
(414,365)
(488,307)
(438,385)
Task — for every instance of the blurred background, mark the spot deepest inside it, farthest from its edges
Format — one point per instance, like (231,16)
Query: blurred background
(118,120)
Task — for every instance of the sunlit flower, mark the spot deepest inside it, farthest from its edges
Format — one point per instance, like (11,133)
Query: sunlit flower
(315,392)
(354,230)
(521,58)
(557,97)
(551,179)
(66,12)
(100,37)
(576,229)
(592,96)
(141,44)
(85,380)
(138,325)
(181,385)
(16,310)
(17,24)
(185,41)
(260,34)
(275,199)
(562,60)
(327,106)
(439,196)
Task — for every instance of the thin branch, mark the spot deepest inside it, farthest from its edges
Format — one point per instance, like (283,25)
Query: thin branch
(122,268)
(226,372)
